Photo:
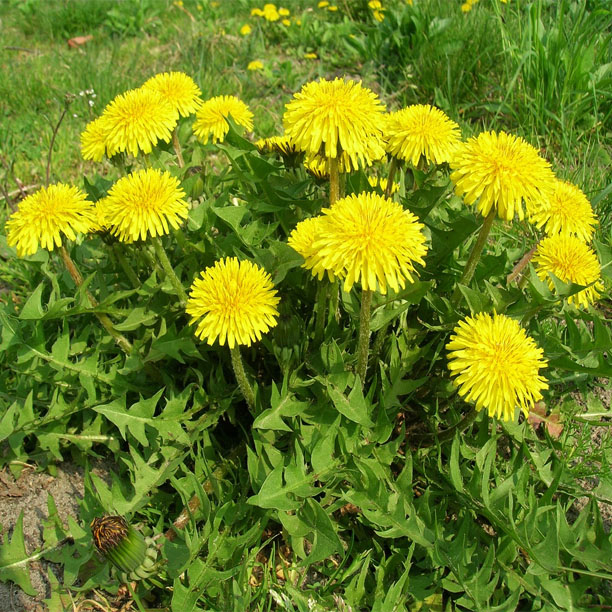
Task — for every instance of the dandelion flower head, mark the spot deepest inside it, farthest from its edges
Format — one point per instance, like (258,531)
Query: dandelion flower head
(42,217)
(255,65)
(93,139)
(421,131)
(178,89)
(136,120)
(571,261)
(496,365)
(501,171)
(370,239)
(211,118)
(302,239)
(334,117)
(245,30)
(566,211)
(234,302)
(145,202)
(275,144)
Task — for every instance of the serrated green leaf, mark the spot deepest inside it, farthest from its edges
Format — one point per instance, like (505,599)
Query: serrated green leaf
(14,559)
(32,310)
(354,406)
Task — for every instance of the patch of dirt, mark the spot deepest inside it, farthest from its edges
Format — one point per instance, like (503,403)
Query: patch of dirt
(28,494)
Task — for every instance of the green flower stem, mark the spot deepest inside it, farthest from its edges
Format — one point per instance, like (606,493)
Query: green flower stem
(119,338)
(241,377)
(364,334)
(393,167)
(177,148)
(520,266)
(118,250)
(320,304)
(334,180)
(472,262)
(169,270)
(378,341)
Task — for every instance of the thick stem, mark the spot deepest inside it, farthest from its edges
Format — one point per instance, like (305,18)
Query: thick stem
(472,262)
(364,334)
(241,377)
(119,338)
(521,265)
(320,304)
(169,270)
(334,181)
(177,148)
(393,167)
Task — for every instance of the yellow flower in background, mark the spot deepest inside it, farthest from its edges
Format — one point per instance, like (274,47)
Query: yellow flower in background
(276,144)
(93,139)
(409,2)
(496,365)
(178,89)
(245,30)
(323,4)
(329,117)
(283,12)
(419,131)
(378,15)
(317,166)
(301,240)
(332,8)
(136,120)
(144,203)
(234,302)
(466,7)
(571,261)
(255,65)
(369,239)
(566,211)
(375,4)
(286,22)
(270,13)
(211,117)
(42,217)
(257,12)
(501,171)
(310,56)
(382,183)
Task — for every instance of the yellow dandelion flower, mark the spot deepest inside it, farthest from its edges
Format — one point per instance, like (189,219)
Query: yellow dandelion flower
(381,183)
(178,89)
(466,7)
(144,203)
(375,4)
(101,223)
(286,22)
(234,302)
(245,30)
(501,171)
(136,120)
(332,8)
(379,15)
(421,131)
(93,139)
(211,117)
(270,13)
(283,12)
(369,239)
(301,240)
(310,55)
(255,65)
(571,261)
(566,211)
(257,12)
(317,167)
(330,117)
(496,365)
(323,4)
(42,217)
(275,144)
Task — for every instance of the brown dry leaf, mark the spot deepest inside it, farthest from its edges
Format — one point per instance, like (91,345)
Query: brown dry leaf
(77,41)
(552,421)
